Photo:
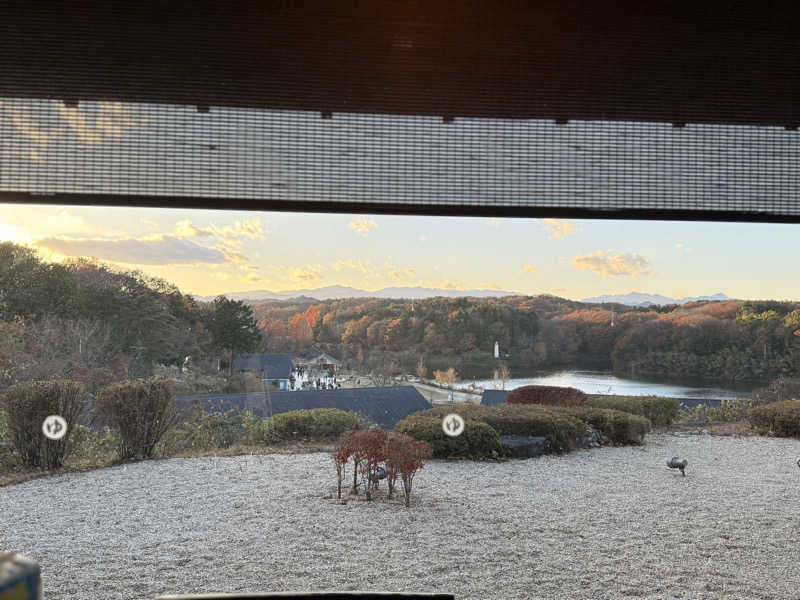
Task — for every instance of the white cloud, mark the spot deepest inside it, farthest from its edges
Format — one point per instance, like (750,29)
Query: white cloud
(362,226)
(530,269)
(230,234)
(558,228)
(153,250)
(64,220)
(185,229)
(605,264)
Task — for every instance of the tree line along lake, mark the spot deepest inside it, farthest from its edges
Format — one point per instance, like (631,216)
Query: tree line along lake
(605,382)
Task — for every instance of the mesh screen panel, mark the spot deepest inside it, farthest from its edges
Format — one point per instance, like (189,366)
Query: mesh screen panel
(495,106)
(159,150)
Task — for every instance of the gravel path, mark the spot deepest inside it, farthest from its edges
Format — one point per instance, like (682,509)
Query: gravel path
(601,523)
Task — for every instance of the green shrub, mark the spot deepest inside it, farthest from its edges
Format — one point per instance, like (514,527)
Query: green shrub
(478,440)
(783,388)
(141,412)
(778,418)
(92,449)
(617,426)
(27,405)
(317,423)
(556,424)
(731,410)
(562,426)
(6,447)
(661,412)
(203,430)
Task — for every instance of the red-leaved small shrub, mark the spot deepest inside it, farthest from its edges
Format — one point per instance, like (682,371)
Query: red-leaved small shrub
(547,394)
(399,454)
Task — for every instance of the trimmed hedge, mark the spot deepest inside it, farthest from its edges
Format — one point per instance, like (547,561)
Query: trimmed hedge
(778,418)
(317,423)
(618,426)
(478,440)
(661,412)
(547,394)
(562,426)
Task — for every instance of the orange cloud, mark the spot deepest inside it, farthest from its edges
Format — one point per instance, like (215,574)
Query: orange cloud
(605,264)
(559,229)
(306,274)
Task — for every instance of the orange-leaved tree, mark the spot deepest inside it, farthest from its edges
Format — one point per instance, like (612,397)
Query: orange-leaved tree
(407,456)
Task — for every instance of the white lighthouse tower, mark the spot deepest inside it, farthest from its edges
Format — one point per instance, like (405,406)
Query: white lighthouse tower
(496,350)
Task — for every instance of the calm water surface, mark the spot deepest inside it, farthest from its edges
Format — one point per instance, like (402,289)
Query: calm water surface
(603,382)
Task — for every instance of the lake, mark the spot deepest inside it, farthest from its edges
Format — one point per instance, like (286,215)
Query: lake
(604,382)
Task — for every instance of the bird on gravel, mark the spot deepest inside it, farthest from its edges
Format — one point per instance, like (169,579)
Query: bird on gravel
(677,463)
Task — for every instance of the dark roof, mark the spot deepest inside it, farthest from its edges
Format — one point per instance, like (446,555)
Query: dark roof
(277,366)
(492,397)
(383,405)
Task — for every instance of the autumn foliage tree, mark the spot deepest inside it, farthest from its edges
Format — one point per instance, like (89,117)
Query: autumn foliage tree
(547,394)
(401,455)
(422,370)
(300,329)
(448,377)
(407,456)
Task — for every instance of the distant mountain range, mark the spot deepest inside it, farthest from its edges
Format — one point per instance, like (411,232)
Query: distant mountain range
(332,292)
(639,299)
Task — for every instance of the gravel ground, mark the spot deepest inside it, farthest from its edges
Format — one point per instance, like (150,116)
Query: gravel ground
(601,523)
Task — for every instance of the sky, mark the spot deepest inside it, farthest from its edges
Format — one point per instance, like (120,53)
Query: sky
(209,252)
(157,150)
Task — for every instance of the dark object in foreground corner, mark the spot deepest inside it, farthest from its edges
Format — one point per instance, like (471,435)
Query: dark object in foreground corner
(315,596)
(798,462)
(20,578)
(676,463)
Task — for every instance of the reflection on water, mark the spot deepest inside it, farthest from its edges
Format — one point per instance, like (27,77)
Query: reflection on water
(603,382)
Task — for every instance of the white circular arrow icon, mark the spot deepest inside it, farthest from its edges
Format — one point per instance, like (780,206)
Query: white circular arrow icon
(453,425)
(54,427)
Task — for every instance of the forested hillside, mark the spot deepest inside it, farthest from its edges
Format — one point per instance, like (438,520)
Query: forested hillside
(727,341)
(91,322)
(85,321)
